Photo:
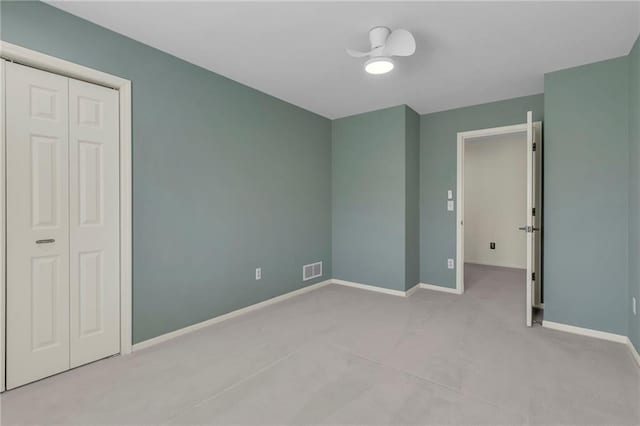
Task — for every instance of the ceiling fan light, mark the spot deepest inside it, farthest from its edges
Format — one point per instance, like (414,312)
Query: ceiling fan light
(380,65)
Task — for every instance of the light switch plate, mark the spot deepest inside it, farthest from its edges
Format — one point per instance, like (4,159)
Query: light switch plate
(449,195)
(450,205)
(258,274)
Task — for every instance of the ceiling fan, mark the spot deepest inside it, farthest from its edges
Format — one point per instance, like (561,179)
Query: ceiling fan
(385,44)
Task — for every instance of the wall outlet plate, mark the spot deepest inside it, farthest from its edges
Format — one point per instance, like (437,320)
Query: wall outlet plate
(450,263)
(450,205)
(258,273)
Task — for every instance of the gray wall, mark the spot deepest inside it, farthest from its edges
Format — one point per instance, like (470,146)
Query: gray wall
(369,198)
(225,178)
(586,180)
(412,198)
(438,162)
(634,191)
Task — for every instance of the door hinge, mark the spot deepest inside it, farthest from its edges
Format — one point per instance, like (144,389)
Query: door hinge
(533,276)
(533,211)
(534,147)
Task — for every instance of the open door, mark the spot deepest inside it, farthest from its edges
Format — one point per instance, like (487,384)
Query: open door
(532,227)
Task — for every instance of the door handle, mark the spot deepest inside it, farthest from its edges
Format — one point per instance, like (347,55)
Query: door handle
(47,241)
(528,228)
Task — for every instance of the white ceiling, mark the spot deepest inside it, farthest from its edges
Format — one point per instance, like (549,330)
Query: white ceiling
(468,52)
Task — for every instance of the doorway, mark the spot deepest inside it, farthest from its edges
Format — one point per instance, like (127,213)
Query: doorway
(499,213)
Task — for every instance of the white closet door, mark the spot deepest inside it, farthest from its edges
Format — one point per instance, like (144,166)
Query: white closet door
(94,224)
(37,224)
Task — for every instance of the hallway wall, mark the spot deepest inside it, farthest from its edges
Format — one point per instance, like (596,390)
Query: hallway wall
(495,200)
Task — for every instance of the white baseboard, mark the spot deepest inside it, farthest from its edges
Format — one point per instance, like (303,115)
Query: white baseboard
(547,324)
(439,288)
(619,338)
(412,290)
(634,351)
(212,321)
(233,314)
(603,335)
(371,288)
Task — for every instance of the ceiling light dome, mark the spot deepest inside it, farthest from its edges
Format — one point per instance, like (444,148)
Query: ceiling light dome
(379,65)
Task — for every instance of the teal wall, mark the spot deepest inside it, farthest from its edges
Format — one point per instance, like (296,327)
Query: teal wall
(586,180)
(634,191)
(274,186)
(438,163)
(369,198)
(225,178)
(412,198)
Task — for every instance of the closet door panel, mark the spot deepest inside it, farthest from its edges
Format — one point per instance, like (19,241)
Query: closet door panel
(94,224)
(37,224)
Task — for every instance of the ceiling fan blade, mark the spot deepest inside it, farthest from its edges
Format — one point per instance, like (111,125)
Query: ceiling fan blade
(357,53)
(400,43)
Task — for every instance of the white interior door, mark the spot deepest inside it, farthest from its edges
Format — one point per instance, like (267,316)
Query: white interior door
(537,217)
(37,224)
(94,230)
(532,227)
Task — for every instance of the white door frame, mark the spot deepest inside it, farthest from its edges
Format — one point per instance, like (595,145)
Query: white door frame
(12,52)
(462,137)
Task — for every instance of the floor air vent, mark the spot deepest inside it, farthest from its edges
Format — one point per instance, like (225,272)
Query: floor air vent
(312,270)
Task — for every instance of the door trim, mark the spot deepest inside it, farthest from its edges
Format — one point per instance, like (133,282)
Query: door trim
(462,137)
(3,256)
(24,56)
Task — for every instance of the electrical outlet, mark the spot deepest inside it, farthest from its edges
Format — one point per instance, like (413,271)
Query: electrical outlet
(450,264)
(633,306)
(492,245)
(258,273)
(450,205)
